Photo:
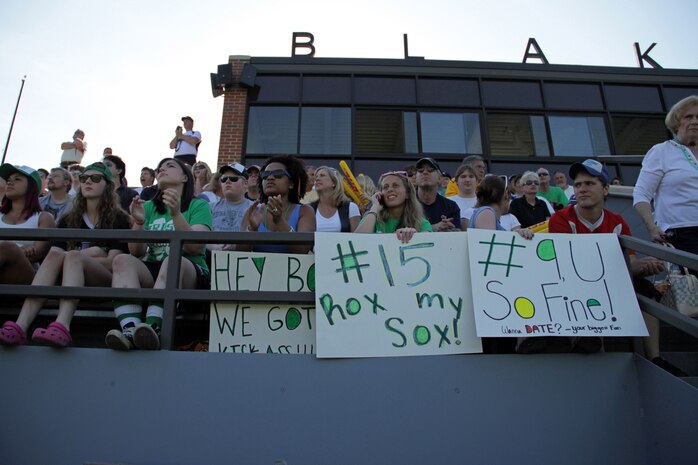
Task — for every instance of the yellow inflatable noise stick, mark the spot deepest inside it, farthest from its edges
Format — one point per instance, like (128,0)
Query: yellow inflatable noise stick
(352,195)
(353,186)
(541,227)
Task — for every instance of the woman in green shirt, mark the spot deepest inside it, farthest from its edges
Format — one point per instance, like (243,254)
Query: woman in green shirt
(394,208)
(174,208)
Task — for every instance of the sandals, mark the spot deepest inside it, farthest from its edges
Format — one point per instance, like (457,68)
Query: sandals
(54,335)
(12,335)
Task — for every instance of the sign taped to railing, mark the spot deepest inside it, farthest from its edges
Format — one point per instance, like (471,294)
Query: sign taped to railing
(378,297)
(552,285)
(244,327)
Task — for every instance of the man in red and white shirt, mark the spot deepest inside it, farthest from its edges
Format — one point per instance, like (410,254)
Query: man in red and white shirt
(588,216)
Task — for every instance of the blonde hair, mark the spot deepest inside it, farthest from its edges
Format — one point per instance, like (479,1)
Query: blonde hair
(529,176)
(673,118)
(367,184)
(338,191)
(412,215)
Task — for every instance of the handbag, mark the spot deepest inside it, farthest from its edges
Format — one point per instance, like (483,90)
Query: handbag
(681,290)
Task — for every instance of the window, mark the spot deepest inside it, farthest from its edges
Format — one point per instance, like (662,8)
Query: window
(450,133)
(327,89)
(386,131)
(517,135)
(580,136)
(385,91)
(635,136)
(633,98)
(511,94)
(272,130)
(448,92)
(573,96)
(277,88)
(326,131)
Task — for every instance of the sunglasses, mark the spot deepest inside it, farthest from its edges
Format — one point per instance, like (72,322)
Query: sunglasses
(92,177)
(543,174)
(395,173)
(225,179)
(529,183)
(199,167)
(276,174)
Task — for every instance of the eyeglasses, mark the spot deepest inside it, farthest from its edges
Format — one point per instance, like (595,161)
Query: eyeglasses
(225,179)
(277,174)
(199,167)
(92,177)
(543,174)
(425,170)
(531,183)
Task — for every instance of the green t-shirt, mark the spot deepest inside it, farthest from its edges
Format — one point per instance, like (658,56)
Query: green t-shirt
(390,226)
(555,194)
(198,213)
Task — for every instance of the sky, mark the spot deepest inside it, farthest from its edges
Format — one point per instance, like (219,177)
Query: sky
(126,71)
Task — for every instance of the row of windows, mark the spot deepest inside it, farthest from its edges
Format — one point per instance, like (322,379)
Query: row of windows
(463,92)
(328,131)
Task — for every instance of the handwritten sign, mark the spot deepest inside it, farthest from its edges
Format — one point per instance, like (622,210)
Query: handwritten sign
(262,327)
(552,285)
(378,297)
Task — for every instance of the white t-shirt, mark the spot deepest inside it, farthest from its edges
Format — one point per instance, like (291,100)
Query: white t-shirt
(333,223)
(671,180)
(464,204)
(73,155)
(184,147)
(569,192)
(509,222)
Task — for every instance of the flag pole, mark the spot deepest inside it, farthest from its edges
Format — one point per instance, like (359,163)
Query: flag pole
(4,153)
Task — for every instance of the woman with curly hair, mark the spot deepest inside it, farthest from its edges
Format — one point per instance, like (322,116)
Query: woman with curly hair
(96,206)
(282,183)
(394,208)
(174,208)
(20,209)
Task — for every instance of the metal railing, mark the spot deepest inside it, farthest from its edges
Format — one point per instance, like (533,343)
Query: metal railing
(171,295)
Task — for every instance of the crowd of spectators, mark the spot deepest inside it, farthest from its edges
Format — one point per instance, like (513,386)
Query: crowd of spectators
(285,195)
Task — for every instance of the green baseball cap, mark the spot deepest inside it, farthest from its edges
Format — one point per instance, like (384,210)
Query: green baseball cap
(8,169)
(101,167)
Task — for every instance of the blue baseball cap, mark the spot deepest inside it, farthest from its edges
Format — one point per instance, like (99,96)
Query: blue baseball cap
(593,167)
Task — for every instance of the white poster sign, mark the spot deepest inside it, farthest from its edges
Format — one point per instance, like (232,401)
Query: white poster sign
(243,327)
(552,285)
(378,297)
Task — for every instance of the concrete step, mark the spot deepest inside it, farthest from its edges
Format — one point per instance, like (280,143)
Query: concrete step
(692,380)
(687,361)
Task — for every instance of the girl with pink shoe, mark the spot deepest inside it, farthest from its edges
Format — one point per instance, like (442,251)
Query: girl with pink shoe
(80,263)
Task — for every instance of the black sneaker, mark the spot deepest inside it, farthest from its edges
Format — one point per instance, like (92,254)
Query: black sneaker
(145,337)
(120,340)
(666,366)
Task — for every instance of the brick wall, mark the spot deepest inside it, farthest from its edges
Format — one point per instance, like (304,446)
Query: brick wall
(233,120)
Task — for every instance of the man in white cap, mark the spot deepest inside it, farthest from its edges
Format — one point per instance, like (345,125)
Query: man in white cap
(186,143)
(229,211)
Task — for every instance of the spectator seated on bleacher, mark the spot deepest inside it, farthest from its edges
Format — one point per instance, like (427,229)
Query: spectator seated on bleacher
(173,209)
(395,209)
(282,184)
(80,263)
(333,213)
(57,202)
(20,210)
(530,209)
(229,211)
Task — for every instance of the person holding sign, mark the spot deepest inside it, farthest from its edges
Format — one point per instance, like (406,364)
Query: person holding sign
(588,216)
(332,212)
(173,208)
(283,182)
(395,208)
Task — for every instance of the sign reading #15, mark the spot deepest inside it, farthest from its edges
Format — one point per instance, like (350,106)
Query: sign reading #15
(552,285)
(378,297)
(241,327)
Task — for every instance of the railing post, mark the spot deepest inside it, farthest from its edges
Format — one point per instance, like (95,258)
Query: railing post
(171,285)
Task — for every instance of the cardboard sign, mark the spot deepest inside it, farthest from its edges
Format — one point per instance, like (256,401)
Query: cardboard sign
(378,297)
(552,285)
(240,327)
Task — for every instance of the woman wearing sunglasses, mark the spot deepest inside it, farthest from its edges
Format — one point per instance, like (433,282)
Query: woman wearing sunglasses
(174,208)
(202,177)
(282,183)
(20,209)
(529,208)
(80,263)
(395,209)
